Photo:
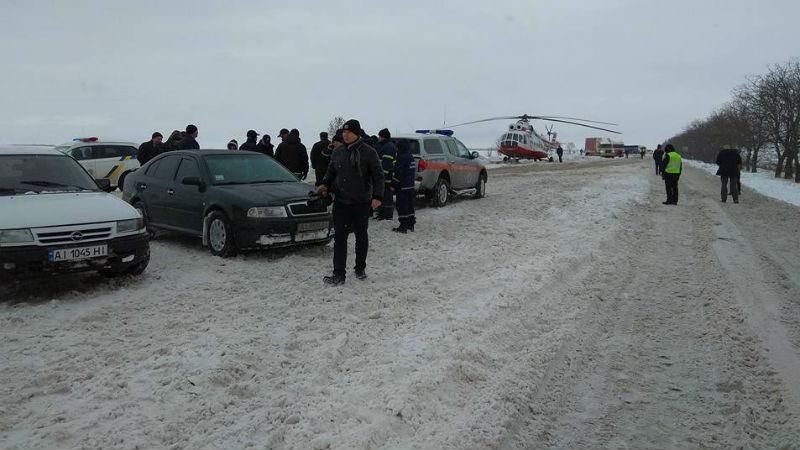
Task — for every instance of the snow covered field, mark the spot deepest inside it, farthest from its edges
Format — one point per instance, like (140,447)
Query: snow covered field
(505,322)
(763,182)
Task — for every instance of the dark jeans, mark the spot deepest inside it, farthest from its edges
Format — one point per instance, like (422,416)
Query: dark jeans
(350,219)
(734,184)
(319,175)
(405,208)
(386,210)
(671,183)
(658,167)
(561,158)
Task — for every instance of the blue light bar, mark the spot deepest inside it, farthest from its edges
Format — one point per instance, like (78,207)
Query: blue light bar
(442,132)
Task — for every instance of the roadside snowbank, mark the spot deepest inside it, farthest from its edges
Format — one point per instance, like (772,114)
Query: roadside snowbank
(762,182)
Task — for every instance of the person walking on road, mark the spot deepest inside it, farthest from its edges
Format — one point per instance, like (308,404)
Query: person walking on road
(658,157)
(560,153)
(150,149)
(355,177)
(730,168)
(320,157)
(189,142)
(672,167)
(250,144)
(404,176)
(387,152)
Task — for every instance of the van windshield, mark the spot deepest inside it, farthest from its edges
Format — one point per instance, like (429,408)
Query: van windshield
(40,174)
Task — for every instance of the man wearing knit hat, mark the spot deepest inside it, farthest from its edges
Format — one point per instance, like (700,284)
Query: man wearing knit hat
(355,178)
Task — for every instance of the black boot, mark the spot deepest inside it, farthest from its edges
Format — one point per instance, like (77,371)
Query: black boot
(361,274)
(400,229)
(333,280)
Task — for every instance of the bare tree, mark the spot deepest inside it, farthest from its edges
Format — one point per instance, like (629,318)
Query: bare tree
(335,125)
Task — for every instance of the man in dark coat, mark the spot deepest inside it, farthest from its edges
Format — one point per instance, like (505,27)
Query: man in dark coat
(321,157)
(404,177)
(293,155)
(355,177)
(150,149)
(658,156)
(730,168)
(560,153)
(250,144)
(189,142)
(265,147)
(387,152)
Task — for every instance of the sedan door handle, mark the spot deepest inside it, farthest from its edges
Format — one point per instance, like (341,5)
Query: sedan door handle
(142,186)
(170,192)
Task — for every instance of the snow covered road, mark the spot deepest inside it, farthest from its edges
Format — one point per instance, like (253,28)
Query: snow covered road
(551,314)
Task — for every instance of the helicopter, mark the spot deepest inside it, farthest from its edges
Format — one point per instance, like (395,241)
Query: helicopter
(521,141)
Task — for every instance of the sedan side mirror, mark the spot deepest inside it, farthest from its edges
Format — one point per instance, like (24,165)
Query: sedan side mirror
(474,155)
(104,184)
(194,181)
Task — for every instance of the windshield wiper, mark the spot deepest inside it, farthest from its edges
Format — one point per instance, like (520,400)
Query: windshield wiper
(45,183)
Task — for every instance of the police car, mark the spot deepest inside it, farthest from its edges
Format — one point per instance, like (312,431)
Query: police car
(54,218)
(112,160)
(444,166)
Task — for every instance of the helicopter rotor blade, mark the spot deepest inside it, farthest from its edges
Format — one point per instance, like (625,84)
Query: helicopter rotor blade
(578,119)
(484,120)
(581,125)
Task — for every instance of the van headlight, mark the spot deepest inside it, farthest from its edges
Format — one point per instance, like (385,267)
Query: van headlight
(126,226)
(265,212)
(16,236)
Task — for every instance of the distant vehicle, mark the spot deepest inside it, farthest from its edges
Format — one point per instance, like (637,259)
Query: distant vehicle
(102,159)
(232,200)
(54,218)
(444,166)
(523,142)
(604,147)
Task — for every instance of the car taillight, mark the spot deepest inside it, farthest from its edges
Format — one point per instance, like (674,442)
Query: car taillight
(422,165)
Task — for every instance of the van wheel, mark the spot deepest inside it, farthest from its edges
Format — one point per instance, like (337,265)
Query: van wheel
(441,192)
(121,180)
(220,235)
(139,206)
(480,188)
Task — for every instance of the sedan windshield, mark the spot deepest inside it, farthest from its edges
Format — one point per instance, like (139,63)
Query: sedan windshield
(20,174)
(246,169)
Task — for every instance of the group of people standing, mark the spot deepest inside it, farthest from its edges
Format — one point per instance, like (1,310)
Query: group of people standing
(363,174)
(669,165)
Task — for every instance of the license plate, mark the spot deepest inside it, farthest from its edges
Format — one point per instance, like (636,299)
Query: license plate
(312,226)
(77,253)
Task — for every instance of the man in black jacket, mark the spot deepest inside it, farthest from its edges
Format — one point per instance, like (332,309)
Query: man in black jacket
(320,157)
(293,155)
(355,177)
(730,165)
(265,147)
(150,149)
(189,142)
(387,152)
(250,144)
(403,183)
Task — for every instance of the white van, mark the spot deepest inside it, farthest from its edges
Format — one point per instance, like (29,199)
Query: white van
(112,160)
(55,218)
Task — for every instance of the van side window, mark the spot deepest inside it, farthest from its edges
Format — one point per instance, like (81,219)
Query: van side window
(433,146)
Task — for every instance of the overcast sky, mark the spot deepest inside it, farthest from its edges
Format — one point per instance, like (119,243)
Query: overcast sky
(123,69)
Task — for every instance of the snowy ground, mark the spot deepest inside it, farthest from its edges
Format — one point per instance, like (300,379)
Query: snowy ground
(569,309)
(763,182)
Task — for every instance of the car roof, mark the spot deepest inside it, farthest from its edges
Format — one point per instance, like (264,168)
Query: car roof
(89,144)
(209,151)
(418,136)
(29,150)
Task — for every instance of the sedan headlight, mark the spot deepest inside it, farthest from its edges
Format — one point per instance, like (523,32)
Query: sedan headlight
(265,212)
(125,226)
(16,236)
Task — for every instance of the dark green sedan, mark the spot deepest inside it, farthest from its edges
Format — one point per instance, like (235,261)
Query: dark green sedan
(233,200)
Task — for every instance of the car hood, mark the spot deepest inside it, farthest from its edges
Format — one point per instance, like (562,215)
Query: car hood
(269,193)
(68,208)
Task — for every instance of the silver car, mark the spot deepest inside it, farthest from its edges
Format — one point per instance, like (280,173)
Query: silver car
(444,166)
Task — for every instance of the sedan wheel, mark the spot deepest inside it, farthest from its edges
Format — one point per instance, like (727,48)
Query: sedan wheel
(220,235)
